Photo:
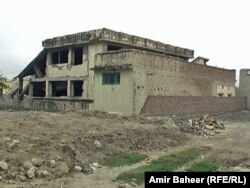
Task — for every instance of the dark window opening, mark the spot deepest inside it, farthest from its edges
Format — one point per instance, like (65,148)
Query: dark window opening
(113,48)
(60,57)
(55,58)
(77,88)
(64,56)
(39,89)
(111,78)
(59,88)
(78,56)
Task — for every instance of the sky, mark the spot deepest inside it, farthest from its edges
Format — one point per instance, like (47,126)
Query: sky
(215,29)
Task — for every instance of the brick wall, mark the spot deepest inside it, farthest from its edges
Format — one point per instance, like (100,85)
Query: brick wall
(169,105)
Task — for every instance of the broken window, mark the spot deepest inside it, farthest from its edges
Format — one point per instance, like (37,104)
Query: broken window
(59,88)
(55,57)
(78,56)
(60,57)
(114,48)
(111,78)
(39,89)
(77,88)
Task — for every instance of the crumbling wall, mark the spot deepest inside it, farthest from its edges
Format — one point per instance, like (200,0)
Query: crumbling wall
(50,105)
(157,74)
(169,105)
(168,76)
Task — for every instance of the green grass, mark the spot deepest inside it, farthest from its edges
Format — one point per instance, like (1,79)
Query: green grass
(124,159)
(165,163)
(203,166)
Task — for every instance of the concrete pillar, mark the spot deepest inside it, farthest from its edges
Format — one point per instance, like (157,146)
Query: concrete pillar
(48,91)
(20,89)
(31,89)
(69,88)
(48,59)
(85,89)
(71,56)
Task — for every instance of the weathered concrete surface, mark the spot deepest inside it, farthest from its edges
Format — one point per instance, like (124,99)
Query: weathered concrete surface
(123,39)
(169,105)
(43,104)
(244,88)
(156,74)
(114,98)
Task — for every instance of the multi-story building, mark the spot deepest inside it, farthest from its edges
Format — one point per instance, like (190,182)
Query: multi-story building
(116,72)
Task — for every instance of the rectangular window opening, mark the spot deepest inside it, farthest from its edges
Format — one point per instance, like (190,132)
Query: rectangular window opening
(55,58)
(78,56)
(111,78)
(39,89)
(64,56)
(59,57)
(77,88)
(59,88)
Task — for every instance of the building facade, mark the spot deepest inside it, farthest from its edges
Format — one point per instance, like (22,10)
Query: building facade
(244,86)
(117,72)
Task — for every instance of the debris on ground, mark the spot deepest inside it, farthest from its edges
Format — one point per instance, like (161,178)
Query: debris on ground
(200,125)
(54,145)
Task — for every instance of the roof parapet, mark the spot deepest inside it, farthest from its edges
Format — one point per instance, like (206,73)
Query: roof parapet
(119,38)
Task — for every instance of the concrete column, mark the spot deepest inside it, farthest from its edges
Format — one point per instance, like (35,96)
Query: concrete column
(69,89)
(48,91)
(48,59)
(31,89)
(71,56)
(85,89)
(20,89)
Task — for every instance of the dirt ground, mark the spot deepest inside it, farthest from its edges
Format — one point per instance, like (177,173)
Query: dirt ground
(84,138)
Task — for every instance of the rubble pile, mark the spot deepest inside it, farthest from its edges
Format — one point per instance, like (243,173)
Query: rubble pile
(206,122)
(200,125)
(37,168)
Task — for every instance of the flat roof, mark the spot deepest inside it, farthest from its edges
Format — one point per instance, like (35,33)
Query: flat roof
(114,37)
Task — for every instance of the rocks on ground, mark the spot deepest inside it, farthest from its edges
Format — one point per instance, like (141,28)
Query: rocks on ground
(3,166)
(200,125)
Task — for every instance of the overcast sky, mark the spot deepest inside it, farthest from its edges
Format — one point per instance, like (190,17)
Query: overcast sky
(215,29)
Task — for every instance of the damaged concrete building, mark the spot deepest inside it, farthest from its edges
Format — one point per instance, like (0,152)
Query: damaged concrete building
(116,72)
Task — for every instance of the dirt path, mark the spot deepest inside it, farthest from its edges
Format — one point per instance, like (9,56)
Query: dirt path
(70,137)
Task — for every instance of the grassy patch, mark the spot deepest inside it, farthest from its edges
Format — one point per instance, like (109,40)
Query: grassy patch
(203,166)
(124,159)
(165,163)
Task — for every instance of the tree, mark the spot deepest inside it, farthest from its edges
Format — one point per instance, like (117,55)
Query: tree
(3,79)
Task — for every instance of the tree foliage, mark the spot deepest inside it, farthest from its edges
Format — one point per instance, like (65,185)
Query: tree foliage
(3,79)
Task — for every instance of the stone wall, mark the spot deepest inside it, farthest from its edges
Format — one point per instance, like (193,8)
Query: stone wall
(44,104)
(56,105)
(169,105)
